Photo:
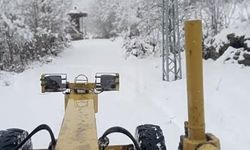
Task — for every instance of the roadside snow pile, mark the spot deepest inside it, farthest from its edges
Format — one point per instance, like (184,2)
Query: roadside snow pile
(139,47)
(231,55)
(233,48)
(6,78)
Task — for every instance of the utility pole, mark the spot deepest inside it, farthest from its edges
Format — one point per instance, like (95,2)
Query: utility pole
(171,57)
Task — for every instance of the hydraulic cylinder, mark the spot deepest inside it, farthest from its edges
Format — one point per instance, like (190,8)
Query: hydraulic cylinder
(195,137)
(193,40)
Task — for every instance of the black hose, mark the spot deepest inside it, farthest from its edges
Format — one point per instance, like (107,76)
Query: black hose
(120,130)
(37,129)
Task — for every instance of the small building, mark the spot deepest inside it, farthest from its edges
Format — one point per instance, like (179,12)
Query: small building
(78,29)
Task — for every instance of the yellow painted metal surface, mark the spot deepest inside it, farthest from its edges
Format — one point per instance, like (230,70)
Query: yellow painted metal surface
(193,41)
(66,100)
(91,96)
(207,147)
(120,147)
(42,84)
(78,131)
(213,143)
(195,138)
(113,147)
(85,86)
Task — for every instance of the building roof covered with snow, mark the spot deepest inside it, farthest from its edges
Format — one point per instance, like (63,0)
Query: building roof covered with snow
(76,12)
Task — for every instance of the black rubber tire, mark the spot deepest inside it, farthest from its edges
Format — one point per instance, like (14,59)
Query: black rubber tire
(10,138)
(150,137)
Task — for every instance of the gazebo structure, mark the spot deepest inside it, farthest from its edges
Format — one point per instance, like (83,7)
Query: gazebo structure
(78,22)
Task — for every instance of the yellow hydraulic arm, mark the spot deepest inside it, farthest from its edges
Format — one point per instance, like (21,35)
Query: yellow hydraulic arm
(195,137)
(78,130)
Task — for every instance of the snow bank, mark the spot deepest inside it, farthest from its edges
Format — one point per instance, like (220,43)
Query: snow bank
(228,56)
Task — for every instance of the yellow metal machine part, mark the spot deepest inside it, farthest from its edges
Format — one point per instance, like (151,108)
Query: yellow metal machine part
(78,130)
(196,138)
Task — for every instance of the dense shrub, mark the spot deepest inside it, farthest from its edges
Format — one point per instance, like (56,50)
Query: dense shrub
(29,31)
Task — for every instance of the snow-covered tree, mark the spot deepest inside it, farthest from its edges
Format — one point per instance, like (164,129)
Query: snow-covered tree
(47,20)
(14,34)
(148,28)
(103,17)
(30,29)
(140,21)
(245,10)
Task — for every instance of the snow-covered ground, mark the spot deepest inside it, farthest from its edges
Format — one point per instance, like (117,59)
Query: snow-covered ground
(143,97)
